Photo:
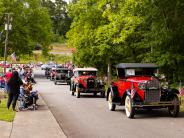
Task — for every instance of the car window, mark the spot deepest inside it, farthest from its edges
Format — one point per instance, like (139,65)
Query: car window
(62,71)
(86,73)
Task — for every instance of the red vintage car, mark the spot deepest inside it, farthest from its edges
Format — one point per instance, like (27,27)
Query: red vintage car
(85,81)
(137,87)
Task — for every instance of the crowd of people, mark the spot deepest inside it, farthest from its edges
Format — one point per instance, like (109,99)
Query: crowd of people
(18,82)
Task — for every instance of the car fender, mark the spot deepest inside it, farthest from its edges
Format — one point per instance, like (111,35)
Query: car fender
(127,92)
(171,93)
(78,85)
(114,90)
(168,93)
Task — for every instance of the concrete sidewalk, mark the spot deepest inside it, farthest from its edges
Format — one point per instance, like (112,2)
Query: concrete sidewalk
(32,124)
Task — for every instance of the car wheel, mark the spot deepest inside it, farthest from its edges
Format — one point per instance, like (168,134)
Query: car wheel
(77,93)
(72,92)
(102,94)
(112,106)
(174,110)
(129,110)
(34,104)
(71,87)
(94,94)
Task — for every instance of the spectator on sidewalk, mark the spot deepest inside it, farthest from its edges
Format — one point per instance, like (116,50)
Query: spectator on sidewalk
(8,75)
(14,89)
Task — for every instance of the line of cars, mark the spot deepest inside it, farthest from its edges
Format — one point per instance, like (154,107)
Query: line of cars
(58,74)
(137,88)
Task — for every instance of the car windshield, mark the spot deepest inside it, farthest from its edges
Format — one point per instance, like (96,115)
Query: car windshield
(145,72)
(62,71)
(136,72)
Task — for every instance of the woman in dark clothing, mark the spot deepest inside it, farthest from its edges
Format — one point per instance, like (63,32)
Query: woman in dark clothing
(14,89)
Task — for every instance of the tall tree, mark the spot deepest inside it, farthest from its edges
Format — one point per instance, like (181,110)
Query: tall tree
(59,16)
(129,31)
(31,25)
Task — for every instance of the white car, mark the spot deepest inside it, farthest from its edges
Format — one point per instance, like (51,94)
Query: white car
(44,66)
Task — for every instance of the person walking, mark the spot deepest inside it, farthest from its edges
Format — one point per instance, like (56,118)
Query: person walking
(14,89)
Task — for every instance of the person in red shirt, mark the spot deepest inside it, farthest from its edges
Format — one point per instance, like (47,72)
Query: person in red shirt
(8,75)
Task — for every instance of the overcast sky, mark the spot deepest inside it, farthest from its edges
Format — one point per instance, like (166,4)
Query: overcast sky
(64,0)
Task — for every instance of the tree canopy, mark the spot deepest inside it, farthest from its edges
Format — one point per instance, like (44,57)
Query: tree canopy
(129,31)
(31,24)
(59,16)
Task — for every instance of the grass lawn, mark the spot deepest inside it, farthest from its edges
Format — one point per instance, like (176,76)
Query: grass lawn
(5,114)
(182,104)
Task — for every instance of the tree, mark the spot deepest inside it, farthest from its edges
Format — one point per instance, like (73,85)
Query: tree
(165,36)
(99,31)
(129,31)
(59,16)
(31,25)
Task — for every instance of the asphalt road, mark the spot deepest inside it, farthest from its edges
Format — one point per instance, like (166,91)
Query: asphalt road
(89,117)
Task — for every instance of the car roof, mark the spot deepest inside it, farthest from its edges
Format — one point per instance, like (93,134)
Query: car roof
(62,69)
(136,65)
(85,69)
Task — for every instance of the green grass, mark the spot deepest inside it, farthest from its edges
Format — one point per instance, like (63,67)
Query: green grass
(182,104)
(5,114)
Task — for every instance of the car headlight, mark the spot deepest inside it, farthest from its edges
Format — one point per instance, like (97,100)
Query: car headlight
(142,86)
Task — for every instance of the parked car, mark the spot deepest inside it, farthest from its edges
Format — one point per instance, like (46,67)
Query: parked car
(62,75)
(85,81)
(137,87)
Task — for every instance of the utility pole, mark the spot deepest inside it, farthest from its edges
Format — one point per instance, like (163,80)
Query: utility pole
(8,27)
(109,73)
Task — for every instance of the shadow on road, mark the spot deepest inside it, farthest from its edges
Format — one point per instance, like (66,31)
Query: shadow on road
(150,114)
(39,76)
(88,95)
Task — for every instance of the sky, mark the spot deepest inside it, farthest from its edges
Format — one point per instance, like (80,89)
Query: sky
(64,0)
(67,1)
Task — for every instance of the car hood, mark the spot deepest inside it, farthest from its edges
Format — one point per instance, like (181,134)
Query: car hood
(141,79)
(87,76)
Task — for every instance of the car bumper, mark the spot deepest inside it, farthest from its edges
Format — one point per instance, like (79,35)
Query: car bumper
(156,104)
(62,80)
(92,90)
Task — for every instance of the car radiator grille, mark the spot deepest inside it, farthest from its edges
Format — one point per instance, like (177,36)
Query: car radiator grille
(90,83)
(152,92)
(63,77)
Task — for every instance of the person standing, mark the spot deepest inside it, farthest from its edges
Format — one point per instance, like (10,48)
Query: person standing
(8,75)
(14,89)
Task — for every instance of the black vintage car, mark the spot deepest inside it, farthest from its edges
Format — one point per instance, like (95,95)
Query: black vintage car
(62,75)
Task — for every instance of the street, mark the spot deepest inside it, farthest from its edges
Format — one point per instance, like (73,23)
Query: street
(89,116)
